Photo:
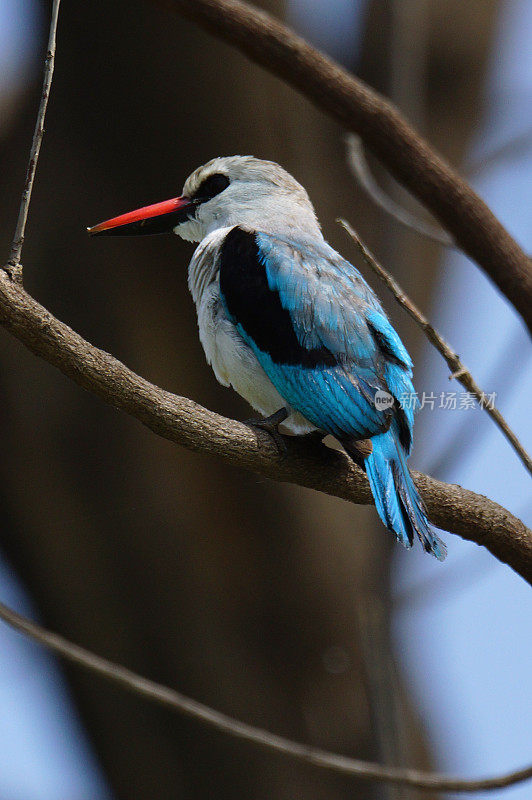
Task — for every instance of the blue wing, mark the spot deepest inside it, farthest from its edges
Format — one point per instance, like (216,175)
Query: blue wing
(318,331)
(323,339)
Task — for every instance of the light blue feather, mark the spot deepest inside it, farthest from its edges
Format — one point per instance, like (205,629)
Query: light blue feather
(331,306)
(396,498)
(326,296)
(332,398)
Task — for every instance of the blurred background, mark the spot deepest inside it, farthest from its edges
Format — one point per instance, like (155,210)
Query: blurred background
(282,607)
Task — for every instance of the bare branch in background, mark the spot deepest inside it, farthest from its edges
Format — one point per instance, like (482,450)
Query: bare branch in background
(13,265)
(359,166)
(385,132)
(176,701)
(458,370)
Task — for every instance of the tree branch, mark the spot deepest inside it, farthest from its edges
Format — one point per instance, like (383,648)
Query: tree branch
(384,131)
(457,368)
(176,701)
(307,463)
(13,265)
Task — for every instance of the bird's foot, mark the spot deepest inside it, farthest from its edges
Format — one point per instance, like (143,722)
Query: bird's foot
(271,426)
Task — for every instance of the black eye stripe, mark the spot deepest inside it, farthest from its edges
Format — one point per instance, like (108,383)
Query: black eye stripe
(210,187)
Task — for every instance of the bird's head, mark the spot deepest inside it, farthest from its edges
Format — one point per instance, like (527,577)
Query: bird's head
(235,190)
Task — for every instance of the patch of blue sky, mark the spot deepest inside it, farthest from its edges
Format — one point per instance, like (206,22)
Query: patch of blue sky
(45,754)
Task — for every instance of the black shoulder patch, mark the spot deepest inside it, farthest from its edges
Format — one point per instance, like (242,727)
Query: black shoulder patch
(384,346)
(405,434)
(252,304)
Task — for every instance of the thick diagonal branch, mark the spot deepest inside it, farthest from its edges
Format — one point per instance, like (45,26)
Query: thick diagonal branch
(308,464)
(384,131)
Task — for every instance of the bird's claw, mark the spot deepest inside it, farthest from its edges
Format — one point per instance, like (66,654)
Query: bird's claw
(271,426)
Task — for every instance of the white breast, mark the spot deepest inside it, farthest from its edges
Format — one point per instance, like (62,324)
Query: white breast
(233,361)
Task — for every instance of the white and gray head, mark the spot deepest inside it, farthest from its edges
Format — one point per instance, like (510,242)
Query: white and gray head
(228,191)
(243,190)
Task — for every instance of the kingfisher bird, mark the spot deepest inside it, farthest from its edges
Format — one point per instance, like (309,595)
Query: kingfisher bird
(292,326)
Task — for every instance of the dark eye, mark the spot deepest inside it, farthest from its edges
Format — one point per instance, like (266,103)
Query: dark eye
(211,186)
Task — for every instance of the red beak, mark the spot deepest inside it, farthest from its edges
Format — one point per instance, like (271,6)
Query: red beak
(158,218)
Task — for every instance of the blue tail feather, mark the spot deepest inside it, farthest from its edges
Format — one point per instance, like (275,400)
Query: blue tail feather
(396,498)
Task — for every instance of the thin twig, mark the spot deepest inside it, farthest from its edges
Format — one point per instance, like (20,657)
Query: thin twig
(457,368)
(356,160)
(385,132)
(176,701)
(13,266)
